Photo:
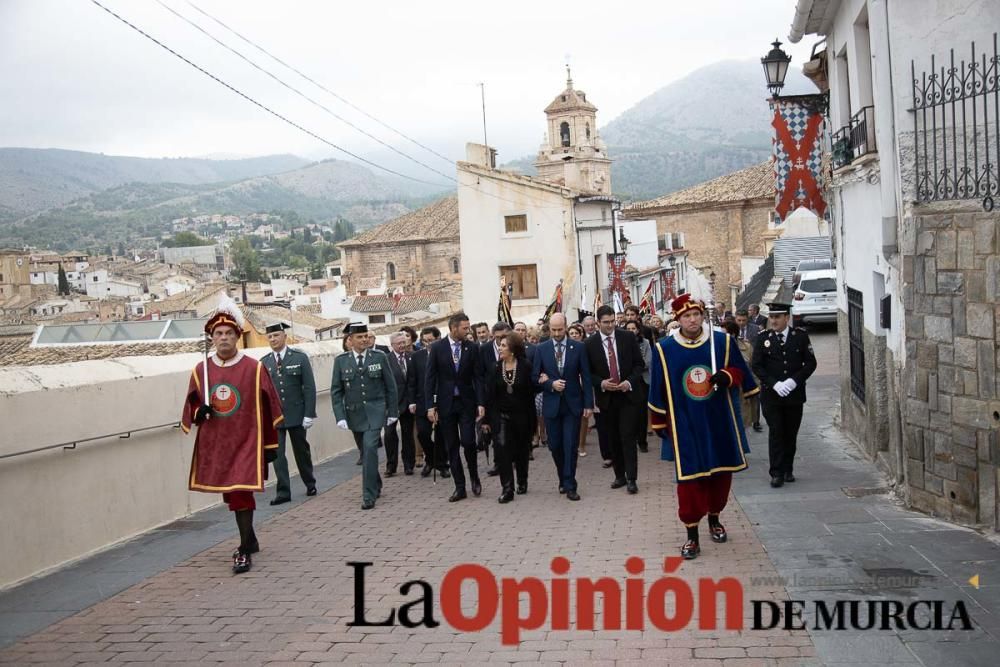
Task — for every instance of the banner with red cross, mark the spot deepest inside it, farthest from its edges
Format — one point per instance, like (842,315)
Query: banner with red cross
(798,159)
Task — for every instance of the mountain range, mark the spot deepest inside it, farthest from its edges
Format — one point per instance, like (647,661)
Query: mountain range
(712,122)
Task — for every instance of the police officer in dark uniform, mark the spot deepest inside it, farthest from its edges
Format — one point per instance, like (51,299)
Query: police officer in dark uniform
(783,360)
(292,376)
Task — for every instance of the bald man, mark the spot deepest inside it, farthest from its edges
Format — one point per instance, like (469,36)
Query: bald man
(567,395)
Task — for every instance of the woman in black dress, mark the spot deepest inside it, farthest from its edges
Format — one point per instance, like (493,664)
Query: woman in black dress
(510,415)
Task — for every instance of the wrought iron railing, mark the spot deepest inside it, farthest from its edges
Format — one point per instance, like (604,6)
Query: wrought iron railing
(855,139)
(863,132)
(855,328)
(956,123)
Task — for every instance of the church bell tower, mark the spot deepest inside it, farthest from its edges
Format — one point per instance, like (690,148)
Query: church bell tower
(573,153)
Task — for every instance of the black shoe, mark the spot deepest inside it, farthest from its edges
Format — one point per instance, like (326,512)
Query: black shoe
(367,504)
(522,489)
(446,474)
(426,472)
(690,550)
(458,495)
(607,464)
(281,501)
(241,562)
(789,477)
(633,488)
(407,471)
(311,491)
(477,488)
(757,427)
(562,489)
(492,472)
(644,448)
(390,473)
(777,481)
(718,533)
(572,495)
(618,483)
(506,497)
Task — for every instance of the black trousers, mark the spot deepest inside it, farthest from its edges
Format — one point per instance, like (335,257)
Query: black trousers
(602,436)
(783,423)
(432,443)
(642,417)
(391,436)
(303,459)
(512,446)
(620,421)
(458,428)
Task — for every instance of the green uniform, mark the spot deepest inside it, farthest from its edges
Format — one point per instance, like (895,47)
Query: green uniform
(293,378)
(365,396)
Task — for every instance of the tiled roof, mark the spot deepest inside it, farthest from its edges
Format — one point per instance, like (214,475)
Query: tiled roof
(438,221)
(754,182)
(57,354)
(272,314)
(407,303)
(570,99)
(185,300)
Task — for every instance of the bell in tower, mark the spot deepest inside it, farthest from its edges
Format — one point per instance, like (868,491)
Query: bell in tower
(574,155)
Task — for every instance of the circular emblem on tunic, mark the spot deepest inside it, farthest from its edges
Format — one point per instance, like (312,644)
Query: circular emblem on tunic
(767,343)
(225,400)
(696,384)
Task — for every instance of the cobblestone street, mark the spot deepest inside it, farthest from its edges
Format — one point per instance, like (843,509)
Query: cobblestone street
(294,606)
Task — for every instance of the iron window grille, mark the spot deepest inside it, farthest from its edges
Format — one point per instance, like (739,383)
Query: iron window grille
(855,329)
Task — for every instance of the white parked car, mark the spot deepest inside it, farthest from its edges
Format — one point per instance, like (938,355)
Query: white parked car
(815,298)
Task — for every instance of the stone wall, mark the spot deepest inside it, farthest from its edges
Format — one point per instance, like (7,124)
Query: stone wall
(951,412)
(415,262)
(867,422)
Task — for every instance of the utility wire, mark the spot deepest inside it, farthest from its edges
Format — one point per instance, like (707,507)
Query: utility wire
(299,92)
(259,104)
(318,84)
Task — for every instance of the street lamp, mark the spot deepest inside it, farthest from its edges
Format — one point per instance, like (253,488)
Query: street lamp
(775,68)
(623,242)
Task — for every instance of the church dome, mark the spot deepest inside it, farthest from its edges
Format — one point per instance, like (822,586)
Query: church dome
(570,100)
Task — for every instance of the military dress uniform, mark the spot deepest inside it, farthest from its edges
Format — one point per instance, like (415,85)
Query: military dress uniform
(292,376)
(783,360)
(365,396)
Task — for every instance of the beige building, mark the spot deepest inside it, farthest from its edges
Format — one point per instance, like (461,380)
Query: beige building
(14,272)
(406,252)
(723,222)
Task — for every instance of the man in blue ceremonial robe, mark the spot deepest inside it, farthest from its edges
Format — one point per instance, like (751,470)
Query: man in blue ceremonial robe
(694,399)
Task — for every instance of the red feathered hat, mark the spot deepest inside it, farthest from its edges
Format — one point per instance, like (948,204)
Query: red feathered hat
(227,314)
(684,303)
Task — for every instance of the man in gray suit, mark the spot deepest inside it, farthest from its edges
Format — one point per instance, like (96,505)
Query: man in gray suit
(748,330)
(292,376)
(365,399)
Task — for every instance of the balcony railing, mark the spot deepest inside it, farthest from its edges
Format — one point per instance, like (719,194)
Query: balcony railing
(855,139)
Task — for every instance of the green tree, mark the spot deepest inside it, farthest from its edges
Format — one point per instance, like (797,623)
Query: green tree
(186,239)
(63,282)
(121,248)
(245,260)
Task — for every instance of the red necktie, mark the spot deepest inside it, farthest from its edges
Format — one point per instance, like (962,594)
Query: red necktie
(612,361)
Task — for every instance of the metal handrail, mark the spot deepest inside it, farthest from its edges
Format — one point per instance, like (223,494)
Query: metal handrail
(122,435)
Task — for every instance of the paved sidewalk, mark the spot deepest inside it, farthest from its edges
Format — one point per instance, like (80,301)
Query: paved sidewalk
(182,604)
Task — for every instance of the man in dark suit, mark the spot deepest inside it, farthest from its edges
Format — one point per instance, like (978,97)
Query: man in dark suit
(748,330)
(292,376)
(435,457)
(567,394)
(455,400)
(616,372)
(399,364)
(757,318)
(783,360)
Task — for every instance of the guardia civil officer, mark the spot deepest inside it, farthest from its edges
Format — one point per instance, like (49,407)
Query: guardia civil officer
(292,377)
(783,360)
(365,399)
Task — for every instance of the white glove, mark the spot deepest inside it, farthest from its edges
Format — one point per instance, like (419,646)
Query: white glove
(390,421)
(342,424)
(307,422)
(791,384)
(781,388)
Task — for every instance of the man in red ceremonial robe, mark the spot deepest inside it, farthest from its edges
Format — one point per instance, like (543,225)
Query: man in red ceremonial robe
(237,433)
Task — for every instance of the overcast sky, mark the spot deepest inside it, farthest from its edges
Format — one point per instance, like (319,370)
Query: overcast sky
(72,76)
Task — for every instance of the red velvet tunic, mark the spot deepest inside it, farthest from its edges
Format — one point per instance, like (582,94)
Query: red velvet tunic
(229,446)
